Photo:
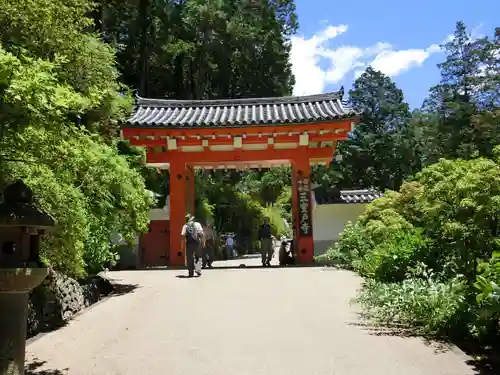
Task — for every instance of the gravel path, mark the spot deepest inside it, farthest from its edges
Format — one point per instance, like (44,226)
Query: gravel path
(294,321)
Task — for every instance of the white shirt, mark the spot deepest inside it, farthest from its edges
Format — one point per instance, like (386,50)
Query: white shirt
(197,227)
(229,241)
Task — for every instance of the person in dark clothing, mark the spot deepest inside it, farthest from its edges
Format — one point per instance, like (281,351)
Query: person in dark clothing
(208,253)
(266,243)
(283,253)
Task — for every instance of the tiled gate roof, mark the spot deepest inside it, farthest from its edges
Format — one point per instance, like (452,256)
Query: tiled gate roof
(162,113)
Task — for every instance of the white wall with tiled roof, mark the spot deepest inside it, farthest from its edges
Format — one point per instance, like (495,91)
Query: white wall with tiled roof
(329,221)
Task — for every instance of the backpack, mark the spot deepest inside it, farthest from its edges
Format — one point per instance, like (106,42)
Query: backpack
(192,235)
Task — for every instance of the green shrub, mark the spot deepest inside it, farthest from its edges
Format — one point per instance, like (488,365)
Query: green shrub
(419,249)
(334,257)
(390,260)
(423,305)
(488,298)
(90,190)
(460,210)
(352,245)
(387,226)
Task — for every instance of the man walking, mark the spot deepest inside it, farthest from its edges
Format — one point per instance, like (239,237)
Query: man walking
(194,242)
(208,254)
(229,246)
(266,243)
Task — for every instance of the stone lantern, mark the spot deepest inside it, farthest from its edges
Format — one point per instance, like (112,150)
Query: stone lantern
(21,225)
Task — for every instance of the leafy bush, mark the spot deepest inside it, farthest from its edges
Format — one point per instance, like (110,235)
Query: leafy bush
(351,247)
(87,187)
(61,103)
(424,304)
(203,209)
(488,283)
(390,260)
(488,298)
(460,210)
(382,219)
(446,222)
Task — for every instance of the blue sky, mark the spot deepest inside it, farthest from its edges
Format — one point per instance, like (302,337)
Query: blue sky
(338,39)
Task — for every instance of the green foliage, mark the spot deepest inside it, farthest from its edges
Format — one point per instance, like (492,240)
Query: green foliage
(87,187)
(390,260)
(352,246)
(428,305)
(233,211)
(458,107)
(460,209)
(420,247)
(63,71)
(276,220)
(380,152)
(266,186)
(203,210)
(273,183)
(60,104)
(488,287)
(198,50)
(284,201)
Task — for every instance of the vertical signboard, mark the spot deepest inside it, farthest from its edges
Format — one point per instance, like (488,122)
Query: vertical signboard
(304,198)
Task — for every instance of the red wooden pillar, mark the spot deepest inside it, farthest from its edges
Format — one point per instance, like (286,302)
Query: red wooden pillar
(177,210)
(190,180)
(302,210)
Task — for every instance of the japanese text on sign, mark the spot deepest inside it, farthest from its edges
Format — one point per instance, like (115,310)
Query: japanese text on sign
(304,194)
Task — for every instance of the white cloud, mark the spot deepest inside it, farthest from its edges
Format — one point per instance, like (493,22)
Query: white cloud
(311,78)
(393,63)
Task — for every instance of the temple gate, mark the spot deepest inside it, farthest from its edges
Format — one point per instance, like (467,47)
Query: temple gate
(184,135)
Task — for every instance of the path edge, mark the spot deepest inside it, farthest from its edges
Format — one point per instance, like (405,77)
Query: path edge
(40,335)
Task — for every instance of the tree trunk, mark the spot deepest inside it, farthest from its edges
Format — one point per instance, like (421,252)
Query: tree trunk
(144,25)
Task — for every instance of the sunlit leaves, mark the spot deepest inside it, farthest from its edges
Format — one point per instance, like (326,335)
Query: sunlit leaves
(87,187)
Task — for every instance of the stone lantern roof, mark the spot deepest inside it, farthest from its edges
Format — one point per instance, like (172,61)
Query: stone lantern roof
(18,210)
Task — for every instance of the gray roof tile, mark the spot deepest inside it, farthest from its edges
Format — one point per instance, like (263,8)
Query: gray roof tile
(238,112)
(347,196)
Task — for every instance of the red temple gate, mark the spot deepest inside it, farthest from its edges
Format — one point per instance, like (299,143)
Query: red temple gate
(184,135)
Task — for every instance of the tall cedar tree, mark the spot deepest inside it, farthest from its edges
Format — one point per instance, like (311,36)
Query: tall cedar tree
(197,49)
(379,153)
(459,109)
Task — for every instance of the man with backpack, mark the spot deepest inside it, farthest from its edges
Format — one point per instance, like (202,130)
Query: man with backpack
(194,242)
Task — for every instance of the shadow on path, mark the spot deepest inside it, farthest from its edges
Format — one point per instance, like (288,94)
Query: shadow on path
(35,368)
(228,267)
(122,289)
(439,346)
(483,362)
(485,366)
(187,277)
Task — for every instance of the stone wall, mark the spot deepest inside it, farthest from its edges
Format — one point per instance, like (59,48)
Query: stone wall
(59,297)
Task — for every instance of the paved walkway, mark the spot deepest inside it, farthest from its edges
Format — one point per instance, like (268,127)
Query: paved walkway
(252,321)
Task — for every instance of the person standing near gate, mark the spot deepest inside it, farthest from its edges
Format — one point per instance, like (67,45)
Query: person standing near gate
(229,246)
(266,243)
(208,253)
(194,242)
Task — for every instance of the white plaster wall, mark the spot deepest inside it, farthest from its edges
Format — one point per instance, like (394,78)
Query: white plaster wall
(159,214)
(329,221)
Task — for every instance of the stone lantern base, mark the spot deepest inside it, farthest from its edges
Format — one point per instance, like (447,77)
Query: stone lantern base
(15,286)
